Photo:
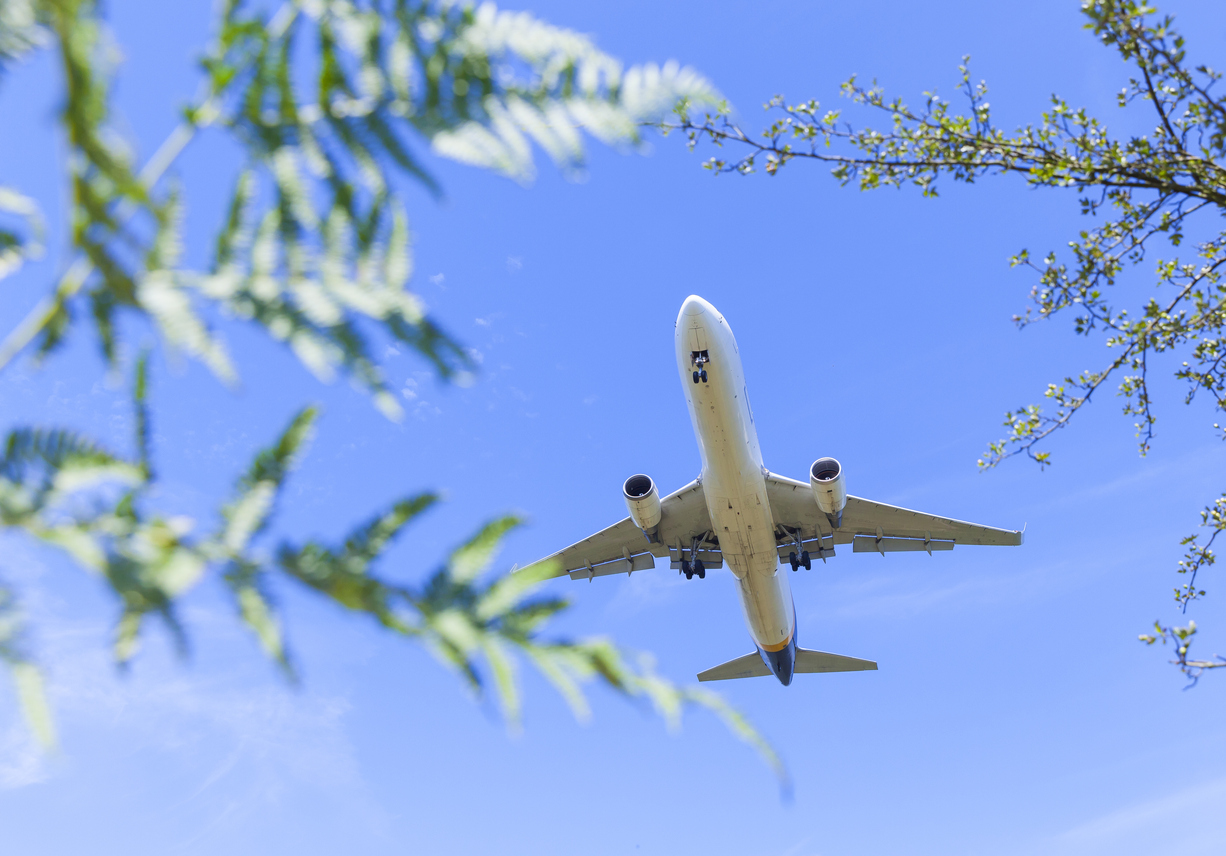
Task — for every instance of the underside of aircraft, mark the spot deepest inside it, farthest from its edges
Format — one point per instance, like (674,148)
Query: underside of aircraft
(739,515)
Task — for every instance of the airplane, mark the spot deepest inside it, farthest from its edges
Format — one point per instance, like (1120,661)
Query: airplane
(740,513)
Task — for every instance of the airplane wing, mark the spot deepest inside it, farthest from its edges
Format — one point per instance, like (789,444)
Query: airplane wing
(623,548)
(873,526)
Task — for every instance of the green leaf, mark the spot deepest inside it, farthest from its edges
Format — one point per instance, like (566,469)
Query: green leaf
(32,696)
(244,580)
(246,515)
(368,542)
(509,591)
(56,454)
(140,407)
(27,679)
(15,249)
(476,554)
(503,668)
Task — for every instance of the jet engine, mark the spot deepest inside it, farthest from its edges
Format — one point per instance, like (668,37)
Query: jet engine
(829,489)
(643,501)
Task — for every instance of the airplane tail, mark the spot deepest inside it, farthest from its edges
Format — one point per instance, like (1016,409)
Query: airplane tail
(751,665)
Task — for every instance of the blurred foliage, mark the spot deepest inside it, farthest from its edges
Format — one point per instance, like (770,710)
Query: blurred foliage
(27,679)
(24,242)
(69,493)
(330,103)
(19,29)
(1147,188)
(325,100)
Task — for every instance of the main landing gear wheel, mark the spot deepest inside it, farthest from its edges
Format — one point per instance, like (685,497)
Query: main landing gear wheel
(804,560)
(693,569)
(794,562)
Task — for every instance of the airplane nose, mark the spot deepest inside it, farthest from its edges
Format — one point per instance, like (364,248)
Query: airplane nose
(694,305)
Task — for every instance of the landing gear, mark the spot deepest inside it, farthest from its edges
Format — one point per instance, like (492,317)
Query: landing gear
(699,360)
(693,566)
(693,569)
(801,560)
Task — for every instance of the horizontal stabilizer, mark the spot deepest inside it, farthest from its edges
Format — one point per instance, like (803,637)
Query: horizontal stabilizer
(749,666)
(752,666)
(820,661)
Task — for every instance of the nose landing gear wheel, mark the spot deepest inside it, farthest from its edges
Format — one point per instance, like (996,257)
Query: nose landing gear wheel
(703,375)
(695,377)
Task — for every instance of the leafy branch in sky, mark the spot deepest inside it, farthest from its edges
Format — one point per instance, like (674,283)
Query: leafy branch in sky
(1181,638)
(1148,189)
(329,103)
(68,492)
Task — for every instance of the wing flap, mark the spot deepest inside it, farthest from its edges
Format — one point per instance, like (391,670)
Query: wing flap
(869,544)
(643,562)
(818,548)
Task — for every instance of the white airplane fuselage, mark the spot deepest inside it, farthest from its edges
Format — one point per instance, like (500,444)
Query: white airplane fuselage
(733,479)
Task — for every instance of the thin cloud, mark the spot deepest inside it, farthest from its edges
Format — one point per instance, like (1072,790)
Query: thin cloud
(1187,821)
(278,734)
(22,762)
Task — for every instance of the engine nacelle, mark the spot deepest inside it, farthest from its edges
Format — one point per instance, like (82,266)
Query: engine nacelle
(643,500)
(829,489)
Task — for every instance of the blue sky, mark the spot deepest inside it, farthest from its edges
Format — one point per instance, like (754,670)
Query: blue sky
(1013,712)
